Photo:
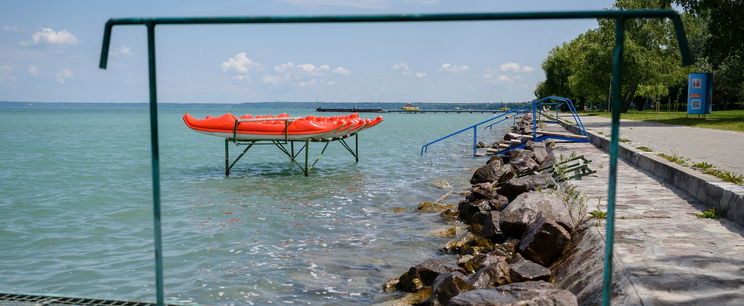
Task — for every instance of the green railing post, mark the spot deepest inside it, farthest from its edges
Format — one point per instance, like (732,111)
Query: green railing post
(617,75)
(155,163)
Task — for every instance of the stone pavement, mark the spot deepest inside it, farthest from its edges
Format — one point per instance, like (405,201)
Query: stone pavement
(667,254)
(724,149)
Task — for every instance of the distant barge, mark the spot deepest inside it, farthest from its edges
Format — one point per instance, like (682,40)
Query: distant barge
(351,110)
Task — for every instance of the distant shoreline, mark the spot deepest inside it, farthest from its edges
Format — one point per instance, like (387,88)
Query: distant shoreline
(294,105)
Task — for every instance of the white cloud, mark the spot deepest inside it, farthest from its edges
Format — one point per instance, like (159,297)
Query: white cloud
(303,75)
(515,67)
(420,75)
(6,74)
(241,66)
(453,68)
(121,51)
(8,28)
(341,71)
(401,67)
(47,36)
(33,70)
(63,75)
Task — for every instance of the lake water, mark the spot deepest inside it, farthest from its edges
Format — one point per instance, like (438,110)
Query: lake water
(77,220)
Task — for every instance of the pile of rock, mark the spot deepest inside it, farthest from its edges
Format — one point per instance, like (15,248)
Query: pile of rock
(520,133)
(518,226)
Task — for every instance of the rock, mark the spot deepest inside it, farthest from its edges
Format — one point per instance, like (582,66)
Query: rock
(492,275)
(470,244)
(390,285)
(441,184)
(523,161)
(510,136)
(445,233)
(424,274)
(400,210)
(538,148)
(523,293)
(433,207)
(469,262)
(413,298)
(447,286)
(507,250)
(496,158)
(493,172)
(544,241)
(481,144)
(523,211)
(526,270)
(473,212)
(516,186)
(482,191)
(491,228)
(449,214)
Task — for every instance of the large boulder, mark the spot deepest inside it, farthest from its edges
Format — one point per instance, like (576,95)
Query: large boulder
(544,241)
(448,285)
(539,149)
(493,172)
(473,212)
(424,274)
(492,275)
(527,270)
(523,161)
(523,293)
(491,228)
(523,211)
(516,186)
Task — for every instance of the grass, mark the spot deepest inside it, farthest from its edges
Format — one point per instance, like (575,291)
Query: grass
(725,175)
(598,214)
(702,166)
(675,158)
(711,214)
(623,140)
(644,149)
(721,120)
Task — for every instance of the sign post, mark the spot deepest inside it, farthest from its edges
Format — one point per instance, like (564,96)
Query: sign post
(700,94)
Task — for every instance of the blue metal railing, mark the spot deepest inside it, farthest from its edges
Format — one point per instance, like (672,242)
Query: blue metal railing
(531,107)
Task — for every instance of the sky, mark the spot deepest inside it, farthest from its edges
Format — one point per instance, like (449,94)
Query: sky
(49,52)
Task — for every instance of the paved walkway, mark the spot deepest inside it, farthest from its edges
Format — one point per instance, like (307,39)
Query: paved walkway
(724,149)
(669,256)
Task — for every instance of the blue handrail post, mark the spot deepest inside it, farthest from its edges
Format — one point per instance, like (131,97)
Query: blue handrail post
(534,121)
(475,140)
(617,72)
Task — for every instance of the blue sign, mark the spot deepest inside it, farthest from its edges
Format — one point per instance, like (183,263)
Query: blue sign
(700,94)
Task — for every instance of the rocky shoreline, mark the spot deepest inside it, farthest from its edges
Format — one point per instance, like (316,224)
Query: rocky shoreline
(520,223)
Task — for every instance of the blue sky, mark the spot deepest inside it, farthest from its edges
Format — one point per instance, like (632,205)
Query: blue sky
(49,52)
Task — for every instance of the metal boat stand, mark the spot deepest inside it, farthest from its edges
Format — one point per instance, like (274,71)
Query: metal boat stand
(304,147)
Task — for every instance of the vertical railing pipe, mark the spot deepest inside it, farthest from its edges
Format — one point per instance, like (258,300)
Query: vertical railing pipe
(617,74)
(155,149)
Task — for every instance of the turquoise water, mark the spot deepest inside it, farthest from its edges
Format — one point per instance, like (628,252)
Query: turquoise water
(77,219)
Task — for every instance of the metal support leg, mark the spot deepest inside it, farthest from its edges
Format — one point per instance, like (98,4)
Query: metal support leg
(356,147)
(291,146)
(227,158)
(307,156)
(475,140)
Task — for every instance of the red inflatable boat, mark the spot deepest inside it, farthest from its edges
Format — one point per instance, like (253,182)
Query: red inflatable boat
(280,127)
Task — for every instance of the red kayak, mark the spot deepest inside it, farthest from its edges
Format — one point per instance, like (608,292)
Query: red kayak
(280,127)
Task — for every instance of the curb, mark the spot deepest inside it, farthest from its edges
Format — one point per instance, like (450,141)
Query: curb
(709,190)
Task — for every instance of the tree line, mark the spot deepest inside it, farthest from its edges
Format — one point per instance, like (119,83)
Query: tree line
(581,69)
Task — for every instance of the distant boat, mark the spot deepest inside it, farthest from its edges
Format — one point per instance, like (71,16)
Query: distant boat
(410,108)
(504,108)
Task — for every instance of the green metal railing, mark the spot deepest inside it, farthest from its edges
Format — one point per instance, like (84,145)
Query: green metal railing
(618,16)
